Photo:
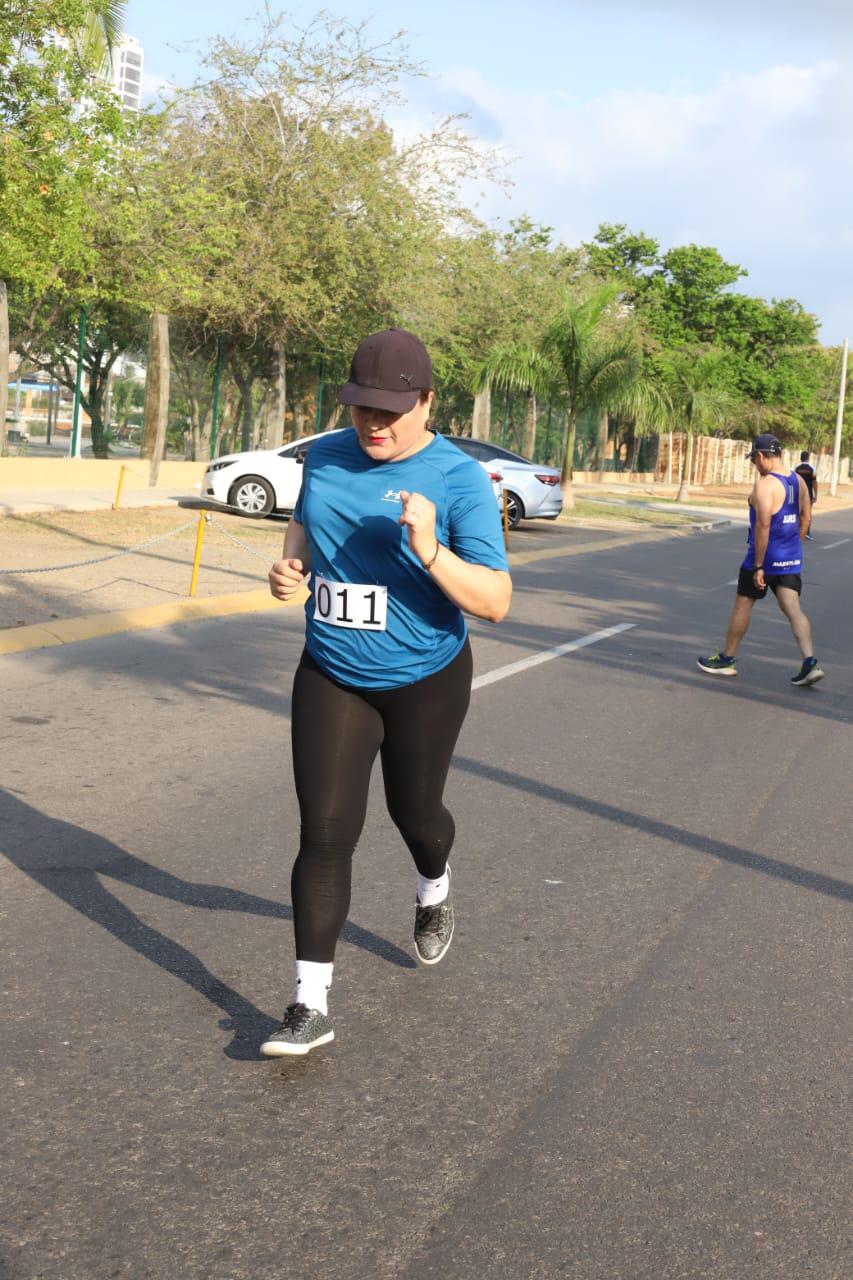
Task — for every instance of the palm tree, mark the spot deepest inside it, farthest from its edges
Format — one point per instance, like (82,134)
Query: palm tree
(596,363)
(699,402)
(102,26)
(519,367)
(647,405)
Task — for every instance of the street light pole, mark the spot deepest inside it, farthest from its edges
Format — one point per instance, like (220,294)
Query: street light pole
(839,419)
(75,450)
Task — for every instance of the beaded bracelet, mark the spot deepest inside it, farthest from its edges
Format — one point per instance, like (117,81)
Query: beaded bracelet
(431,562)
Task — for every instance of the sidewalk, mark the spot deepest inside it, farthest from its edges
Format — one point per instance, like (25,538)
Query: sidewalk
(15,502)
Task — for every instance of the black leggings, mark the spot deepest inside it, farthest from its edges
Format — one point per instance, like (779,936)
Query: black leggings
(337,732)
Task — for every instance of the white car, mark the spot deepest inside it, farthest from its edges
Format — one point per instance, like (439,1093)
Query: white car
(260,481)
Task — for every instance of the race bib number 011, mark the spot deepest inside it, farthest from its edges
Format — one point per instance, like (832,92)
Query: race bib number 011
(363,606)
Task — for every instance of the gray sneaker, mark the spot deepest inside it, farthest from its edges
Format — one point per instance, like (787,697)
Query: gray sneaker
(433,931)
(302,1030)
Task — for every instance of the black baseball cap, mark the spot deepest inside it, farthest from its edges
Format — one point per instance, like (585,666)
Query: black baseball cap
(388,371)
(765,443)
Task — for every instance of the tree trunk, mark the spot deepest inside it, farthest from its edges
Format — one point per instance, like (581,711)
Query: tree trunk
(202,452)
(50,408)
(300,420)
(568,465)
(261,421)
(635,451)
(195,425)
(228,423)
(4,367)
(97,428)
(481,420)
(334,418)
(247,414)
(156,413)
(683,494)
(529,448)
(108,402)
(601,446)
(277,400)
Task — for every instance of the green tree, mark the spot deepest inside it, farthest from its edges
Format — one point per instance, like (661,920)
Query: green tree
(683,300)
(47,339)
(323,226)
(700,403)
(520,367)
(596,358)
(60,125)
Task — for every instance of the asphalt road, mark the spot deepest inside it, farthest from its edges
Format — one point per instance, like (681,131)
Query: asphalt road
(634,1063)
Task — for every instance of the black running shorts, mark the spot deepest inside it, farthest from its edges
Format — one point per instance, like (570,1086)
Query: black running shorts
(746,584)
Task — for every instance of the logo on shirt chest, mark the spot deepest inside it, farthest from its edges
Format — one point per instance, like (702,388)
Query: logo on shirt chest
(391,495)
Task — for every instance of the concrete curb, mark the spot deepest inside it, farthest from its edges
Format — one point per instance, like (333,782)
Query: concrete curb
(44,635)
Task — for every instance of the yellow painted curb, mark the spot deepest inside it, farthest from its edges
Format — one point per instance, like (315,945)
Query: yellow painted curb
(43,635)
(69,630)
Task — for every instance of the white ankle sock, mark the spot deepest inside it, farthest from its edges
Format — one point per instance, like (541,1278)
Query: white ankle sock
(312,984)
(432,892)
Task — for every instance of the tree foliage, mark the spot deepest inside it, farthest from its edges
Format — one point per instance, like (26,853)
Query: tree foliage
(273,213)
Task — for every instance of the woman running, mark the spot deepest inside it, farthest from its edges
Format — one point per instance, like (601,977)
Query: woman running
(401,534)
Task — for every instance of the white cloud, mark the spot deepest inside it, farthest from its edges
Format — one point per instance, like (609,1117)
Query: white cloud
(758,165)
(620,133)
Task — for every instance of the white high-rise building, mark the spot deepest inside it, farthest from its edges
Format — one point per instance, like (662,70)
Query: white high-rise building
(127,62)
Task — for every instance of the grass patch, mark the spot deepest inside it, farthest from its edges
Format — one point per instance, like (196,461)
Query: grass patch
(587,510)
(126,527)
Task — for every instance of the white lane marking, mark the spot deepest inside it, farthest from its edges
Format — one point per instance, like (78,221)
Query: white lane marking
(501,673)
(830,545)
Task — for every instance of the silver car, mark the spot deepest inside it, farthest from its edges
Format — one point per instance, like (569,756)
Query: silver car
(532,491)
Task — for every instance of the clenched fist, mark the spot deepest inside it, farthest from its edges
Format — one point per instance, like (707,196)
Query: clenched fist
(285,578)
(418,516)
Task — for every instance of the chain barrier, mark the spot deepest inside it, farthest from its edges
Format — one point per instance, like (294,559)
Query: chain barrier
(114,555)
(204,519)
(251,550)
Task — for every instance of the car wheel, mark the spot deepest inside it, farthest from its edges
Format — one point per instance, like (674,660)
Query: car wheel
(514,509)
(253,495)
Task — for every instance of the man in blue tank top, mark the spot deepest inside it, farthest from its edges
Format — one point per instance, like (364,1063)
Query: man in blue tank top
(779,517)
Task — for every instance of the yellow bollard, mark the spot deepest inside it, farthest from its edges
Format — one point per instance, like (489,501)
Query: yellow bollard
(506,522)
(118,490)
(203,518)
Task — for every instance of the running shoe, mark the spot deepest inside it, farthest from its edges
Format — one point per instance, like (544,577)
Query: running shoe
(809,673)
(433,931)
(717,665)
(302,1030)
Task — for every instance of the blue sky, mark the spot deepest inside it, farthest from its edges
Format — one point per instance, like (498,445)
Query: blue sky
(728,124)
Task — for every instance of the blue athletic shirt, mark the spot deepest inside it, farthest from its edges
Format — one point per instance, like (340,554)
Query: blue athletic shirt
(349,507)
(784,549)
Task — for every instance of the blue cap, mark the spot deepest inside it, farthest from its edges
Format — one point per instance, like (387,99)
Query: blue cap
(765,443)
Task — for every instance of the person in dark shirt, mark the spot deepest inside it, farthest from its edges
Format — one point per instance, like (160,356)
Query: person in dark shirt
(807,471)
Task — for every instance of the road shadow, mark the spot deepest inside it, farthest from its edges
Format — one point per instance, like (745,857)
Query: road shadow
(707,845)
(72,863)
